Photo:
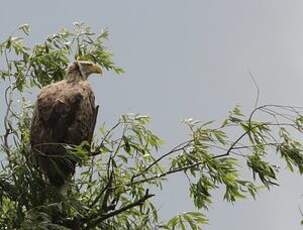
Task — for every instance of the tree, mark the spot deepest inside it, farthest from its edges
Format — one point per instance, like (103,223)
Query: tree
(124,163)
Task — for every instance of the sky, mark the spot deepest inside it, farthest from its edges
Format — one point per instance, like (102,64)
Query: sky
(190,58)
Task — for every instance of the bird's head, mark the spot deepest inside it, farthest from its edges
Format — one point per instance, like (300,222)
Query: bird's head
(80,70)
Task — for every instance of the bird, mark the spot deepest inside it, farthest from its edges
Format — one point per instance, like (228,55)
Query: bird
(64,115)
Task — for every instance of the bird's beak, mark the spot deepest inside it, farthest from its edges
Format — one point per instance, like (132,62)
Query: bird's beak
(96,69)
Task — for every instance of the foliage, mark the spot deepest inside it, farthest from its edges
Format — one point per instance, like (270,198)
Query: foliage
(111,189)
(45,63)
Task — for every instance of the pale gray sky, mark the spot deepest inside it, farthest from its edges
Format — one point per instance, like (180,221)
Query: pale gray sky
(190,58)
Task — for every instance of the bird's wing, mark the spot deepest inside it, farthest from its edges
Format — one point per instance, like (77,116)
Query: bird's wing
(57,106)
(81,128)
(56,112)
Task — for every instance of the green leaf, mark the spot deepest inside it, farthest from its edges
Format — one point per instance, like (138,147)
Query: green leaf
(25,28)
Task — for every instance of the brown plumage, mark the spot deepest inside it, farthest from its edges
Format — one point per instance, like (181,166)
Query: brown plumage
(65,113)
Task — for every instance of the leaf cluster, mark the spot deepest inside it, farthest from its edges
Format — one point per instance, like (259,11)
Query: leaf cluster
(46,62)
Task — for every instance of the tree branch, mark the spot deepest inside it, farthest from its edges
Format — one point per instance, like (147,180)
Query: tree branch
(97,152)
(103,217)
(177,148)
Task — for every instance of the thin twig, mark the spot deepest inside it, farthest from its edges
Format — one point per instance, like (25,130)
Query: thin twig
(257,87)
(97,152)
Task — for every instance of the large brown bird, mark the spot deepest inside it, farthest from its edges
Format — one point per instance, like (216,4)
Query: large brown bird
(65,113)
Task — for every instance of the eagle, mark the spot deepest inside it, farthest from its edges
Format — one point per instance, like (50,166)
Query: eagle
(64,114)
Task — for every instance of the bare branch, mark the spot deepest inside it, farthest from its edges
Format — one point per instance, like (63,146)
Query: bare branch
(177,148)
(103,217)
